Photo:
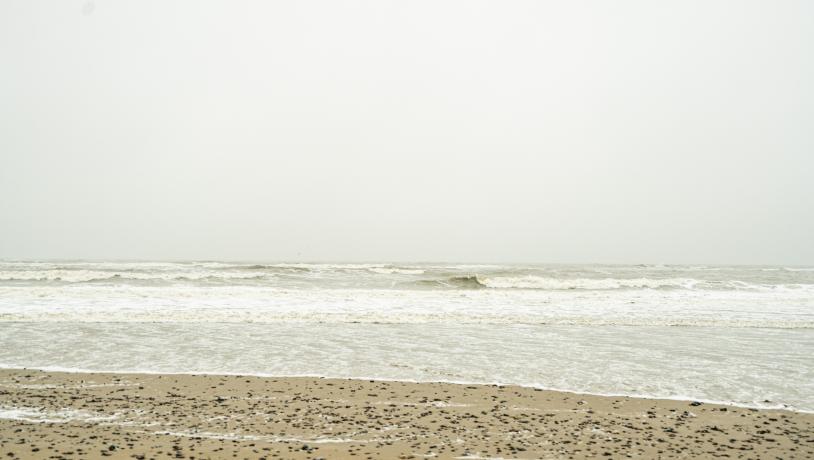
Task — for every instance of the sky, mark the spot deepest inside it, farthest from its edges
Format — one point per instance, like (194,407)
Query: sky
(330,130)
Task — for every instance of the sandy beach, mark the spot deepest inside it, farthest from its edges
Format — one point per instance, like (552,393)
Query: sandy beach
(90,415)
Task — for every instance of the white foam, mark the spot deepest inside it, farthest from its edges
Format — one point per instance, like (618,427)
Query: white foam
(38,415)
(47,386)
(252,437)
(538,282)
(76,276)
(400,271)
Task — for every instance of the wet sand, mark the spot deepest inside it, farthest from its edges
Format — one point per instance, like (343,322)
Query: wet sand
(75,415)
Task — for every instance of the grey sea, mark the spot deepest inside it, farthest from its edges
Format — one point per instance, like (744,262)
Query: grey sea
(734,334)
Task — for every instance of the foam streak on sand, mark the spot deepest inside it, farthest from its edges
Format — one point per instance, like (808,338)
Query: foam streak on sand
(210,416)
(64,415)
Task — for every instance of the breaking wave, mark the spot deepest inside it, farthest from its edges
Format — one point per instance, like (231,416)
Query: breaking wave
(84,276)
(454,282)
(538,282)
(331,276)
(396,271)
(563,284)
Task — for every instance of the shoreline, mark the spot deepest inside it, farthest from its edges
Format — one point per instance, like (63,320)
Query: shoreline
(144,415)
(732,404)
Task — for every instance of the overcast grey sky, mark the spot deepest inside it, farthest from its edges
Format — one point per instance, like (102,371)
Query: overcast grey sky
(528,131)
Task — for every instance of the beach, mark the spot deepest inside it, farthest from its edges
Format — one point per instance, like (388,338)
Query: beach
(376,360)
(91,415)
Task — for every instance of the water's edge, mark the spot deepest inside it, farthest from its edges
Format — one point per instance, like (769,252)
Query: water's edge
(58,370)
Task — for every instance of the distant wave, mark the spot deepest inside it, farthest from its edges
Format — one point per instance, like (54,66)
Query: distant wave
(560,284)
(369,274)
(80,274)
(548,283)
(538,282)
(84,276)
(381,269)
(456,282)
(401,277)
(272,268)
(396,271)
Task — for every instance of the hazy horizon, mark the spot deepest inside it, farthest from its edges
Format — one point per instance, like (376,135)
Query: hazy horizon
(404,263)
(460,131)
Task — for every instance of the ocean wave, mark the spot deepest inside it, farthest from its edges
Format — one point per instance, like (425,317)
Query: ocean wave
(272,268)
(596,284)
(548,283)
(396,271)
(413,276)
(84,276)
(538,282)
(326,267)
(453,282)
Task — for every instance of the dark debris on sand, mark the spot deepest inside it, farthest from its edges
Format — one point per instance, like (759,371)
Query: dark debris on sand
(130,416)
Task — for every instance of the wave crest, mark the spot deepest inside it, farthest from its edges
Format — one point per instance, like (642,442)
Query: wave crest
(533,282)
(539,282)
(84,276)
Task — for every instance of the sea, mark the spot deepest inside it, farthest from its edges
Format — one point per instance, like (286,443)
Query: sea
(741,335)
